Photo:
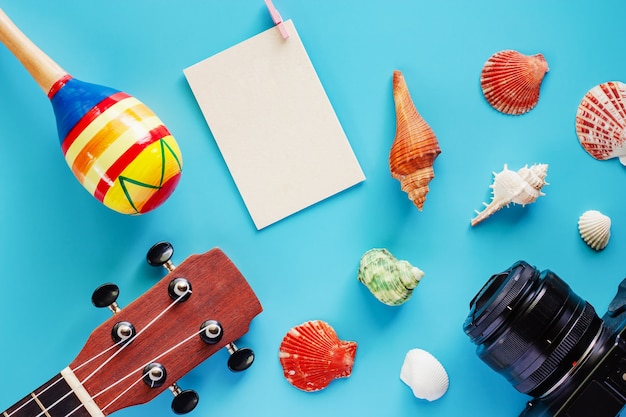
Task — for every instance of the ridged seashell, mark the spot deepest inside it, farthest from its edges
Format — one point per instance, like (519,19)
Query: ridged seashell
(600,121)
(414,148)
(511,81)
(312,356)
(521,187)
(390,280)
(424,374)
(595,229)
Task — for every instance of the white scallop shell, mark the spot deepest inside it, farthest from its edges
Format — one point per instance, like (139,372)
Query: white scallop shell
(424,374)
(595,229)
(519,187)
(601,121)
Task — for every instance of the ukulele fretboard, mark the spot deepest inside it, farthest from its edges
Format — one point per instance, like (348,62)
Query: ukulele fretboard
(59,397)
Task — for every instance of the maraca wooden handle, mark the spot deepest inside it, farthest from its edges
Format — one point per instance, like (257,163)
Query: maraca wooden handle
(40,66)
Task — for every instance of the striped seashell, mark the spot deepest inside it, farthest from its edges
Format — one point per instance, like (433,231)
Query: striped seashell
(424,374)
(390,280)
(595,229)
(510,81)
(601,119)
(414,148)
(312,356)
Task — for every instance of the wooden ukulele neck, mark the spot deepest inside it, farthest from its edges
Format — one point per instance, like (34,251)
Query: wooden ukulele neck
(61,396)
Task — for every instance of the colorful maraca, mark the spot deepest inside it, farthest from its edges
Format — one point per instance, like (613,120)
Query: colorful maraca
(117,148)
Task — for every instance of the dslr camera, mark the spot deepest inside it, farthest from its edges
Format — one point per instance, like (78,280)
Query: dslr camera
(549,343)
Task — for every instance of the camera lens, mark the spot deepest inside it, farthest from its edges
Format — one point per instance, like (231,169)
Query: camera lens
(531,328)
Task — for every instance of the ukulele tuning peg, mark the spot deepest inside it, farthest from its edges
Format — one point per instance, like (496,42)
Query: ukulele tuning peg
(240,358)
(184,400)
(211,332)
(160,254)
(106,296)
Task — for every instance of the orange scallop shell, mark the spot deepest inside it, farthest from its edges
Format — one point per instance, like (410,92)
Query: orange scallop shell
(414,148)
(511,81)
(312,356)
(601,121)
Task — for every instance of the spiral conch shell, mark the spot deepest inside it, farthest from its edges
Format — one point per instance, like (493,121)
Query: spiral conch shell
(595,229)
(390,280)
(414,148)
(521,187)
(601,121)
(424,374)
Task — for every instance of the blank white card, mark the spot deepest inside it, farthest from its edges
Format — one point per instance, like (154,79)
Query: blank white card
(274,125)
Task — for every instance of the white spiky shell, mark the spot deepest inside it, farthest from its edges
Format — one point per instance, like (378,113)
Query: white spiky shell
(424,374)
(595,229)
(519,187)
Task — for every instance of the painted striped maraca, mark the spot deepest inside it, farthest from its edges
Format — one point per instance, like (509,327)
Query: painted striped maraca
(117,148)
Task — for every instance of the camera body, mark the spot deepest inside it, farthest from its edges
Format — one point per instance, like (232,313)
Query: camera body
(530,327)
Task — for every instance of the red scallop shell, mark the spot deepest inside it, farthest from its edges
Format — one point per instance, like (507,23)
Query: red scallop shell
(312,356)
(511,81)
(601,121)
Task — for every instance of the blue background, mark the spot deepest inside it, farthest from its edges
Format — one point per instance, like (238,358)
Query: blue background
(58,243)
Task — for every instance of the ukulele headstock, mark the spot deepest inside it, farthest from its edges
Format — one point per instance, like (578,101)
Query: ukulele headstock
(198,308)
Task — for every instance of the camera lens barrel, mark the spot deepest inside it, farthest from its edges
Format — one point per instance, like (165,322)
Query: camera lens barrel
(530,327)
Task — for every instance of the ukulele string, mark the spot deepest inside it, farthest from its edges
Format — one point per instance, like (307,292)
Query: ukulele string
(157,317)
(121,394)
(99,368)
(32,399)
(61,378)
(73,411)
(100,354)
(141,368)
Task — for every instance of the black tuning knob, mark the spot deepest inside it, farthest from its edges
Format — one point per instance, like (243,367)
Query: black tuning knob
(184,401)
(106,296)
(240,359)
(160,254)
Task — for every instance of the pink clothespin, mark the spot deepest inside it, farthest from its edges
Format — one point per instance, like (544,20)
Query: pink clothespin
(278,20)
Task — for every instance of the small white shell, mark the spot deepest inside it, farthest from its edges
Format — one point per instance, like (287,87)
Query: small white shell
(424,374)
(595,229)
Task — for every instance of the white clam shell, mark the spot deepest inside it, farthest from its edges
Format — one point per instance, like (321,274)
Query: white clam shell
(595,229)
(424,374)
